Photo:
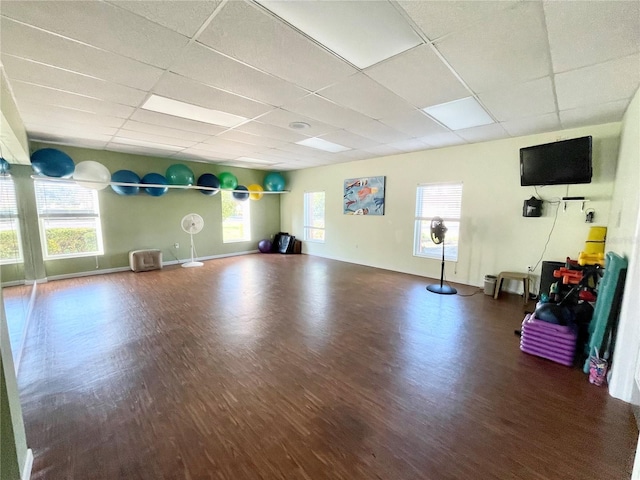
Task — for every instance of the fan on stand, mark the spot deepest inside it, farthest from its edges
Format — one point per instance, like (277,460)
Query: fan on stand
(192,224)
(438,231)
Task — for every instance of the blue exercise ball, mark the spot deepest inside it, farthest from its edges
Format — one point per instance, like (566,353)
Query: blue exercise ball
(274,182)
(241,196)
(4,166)
(52,163)
(157,179)
(208,180)
(125,176)
(264,246)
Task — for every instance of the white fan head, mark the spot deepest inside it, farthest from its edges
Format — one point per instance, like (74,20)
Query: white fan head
(192,223)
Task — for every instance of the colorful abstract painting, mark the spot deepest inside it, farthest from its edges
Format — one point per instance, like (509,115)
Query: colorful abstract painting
(364,196)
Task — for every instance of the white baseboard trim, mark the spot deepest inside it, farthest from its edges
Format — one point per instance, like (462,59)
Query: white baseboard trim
(28,465)
(14,283)
(25,329)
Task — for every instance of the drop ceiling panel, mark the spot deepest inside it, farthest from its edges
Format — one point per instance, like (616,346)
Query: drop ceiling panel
(92,143)
(61,115)
(584,87)
(363,33)
(523,100)
(101,25)
(250,139)
(22,41)
(410,145)
(378,132)
(164,131)
(197,156)
(419,77)
(189,91)
(208,152)
(249,34)
(444,139)
(602,30)
(20,69)
(282,118)
(382,150)
(211,68)
(437,19)
(484,133)
(139,150)
(318,108)
(61,135)
(285,134)
(364,95)
(71,130)
(351,140)
(415,124)
(177,123)
(508,48)
(152,138)
(182,17)
(594,115)
(49,96)
(532,125)
(218,144)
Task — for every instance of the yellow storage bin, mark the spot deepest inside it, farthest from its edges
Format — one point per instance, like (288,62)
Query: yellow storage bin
(593,247)
(591,259)
(597,234)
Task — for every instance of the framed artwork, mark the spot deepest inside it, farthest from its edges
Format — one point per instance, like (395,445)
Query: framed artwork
(364,196)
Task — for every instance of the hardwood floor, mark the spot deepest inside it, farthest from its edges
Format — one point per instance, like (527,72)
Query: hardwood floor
(298,367)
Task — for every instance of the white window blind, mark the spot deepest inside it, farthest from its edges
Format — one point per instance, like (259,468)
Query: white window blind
(438,200)
(10,242)
(314,216)
(65,200)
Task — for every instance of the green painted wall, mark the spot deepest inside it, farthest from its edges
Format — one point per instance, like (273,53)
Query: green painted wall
(142,221)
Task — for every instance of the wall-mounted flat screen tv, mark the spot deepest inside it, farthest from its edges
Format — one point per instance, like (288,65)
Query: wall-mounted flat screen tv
(557,163)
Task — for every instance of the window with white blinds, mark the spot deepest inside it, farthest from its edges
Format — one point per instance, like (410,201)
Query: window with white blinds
(69,216)
(314,216)
(10,241)
(437,200)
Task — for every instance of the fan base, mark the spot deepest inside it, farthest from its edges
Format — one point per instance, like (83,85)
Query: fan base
(442,289)
(192,264)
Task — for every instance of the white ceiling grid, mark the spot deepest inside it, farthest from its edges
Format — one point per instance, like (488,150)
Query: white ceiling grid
(82,70)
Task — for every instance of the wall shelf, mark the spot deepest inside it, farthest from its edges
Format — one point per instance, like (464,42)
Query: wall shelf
(581,201)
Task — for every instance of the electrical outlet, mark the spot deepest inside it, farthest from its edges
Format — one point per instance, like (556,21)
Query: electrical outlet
(176,245)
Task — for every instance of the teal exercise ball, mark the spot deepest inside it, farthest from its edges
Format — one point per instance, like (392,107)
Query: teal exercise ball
(125,176)
(274,182)
(4,166)
(52,163)
(179,174)
(155,179)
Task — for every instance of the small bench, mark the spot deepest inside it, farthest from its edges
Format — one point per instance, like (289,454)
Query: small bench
(513,276)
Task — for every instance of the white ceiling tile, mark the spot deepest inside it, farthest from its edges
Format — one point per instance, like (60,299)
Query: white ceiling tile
(363,32)
(242,137)
(437,19)
(419,77)
(63,135)
(484,133)
(245,32)
(282,118)
(27,71)
(59,115)
(531,125)
(154,139)
(197,156)
(49,96)
(318,108)
(23,41)
(138,150)
(182,17)
(584,33)
(445,139)
(206,151)
(410,145)
(189,91)
(378,132)
(177,123)
(382,150)
(584,87)
(218,144)
(415,124)
(94,144)
(594,114)
(102,25)
(348,139)
(523,100)
(74,130)
(366,96)
(285,133)
(510,47)
(164,131)
(211,68)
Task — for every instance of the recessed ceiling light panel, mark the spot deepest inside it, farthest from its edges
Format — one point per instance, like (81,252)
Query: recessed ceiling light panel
(180,109)
(459,114)
(320,144)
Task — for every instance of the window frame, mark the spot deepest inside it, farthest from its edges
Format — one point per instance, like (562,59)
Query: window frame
(308,226)
(14,218)
(448,220)
(246,205)
(71,216)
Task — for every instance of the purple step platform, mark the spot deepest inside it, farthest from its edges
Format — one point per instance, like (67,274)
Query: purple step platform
(547,340)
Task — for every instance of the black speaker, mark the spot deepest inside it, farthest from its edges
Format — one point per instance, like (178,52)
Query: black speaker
(532,208)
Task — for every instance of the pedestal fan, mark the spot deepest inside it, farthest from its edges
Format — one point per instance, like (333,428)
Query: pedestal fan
(438,231)
(192,224)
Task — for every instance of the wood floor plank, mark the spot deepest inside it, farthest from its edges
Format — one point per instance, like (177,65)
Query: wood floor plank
(298,367)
